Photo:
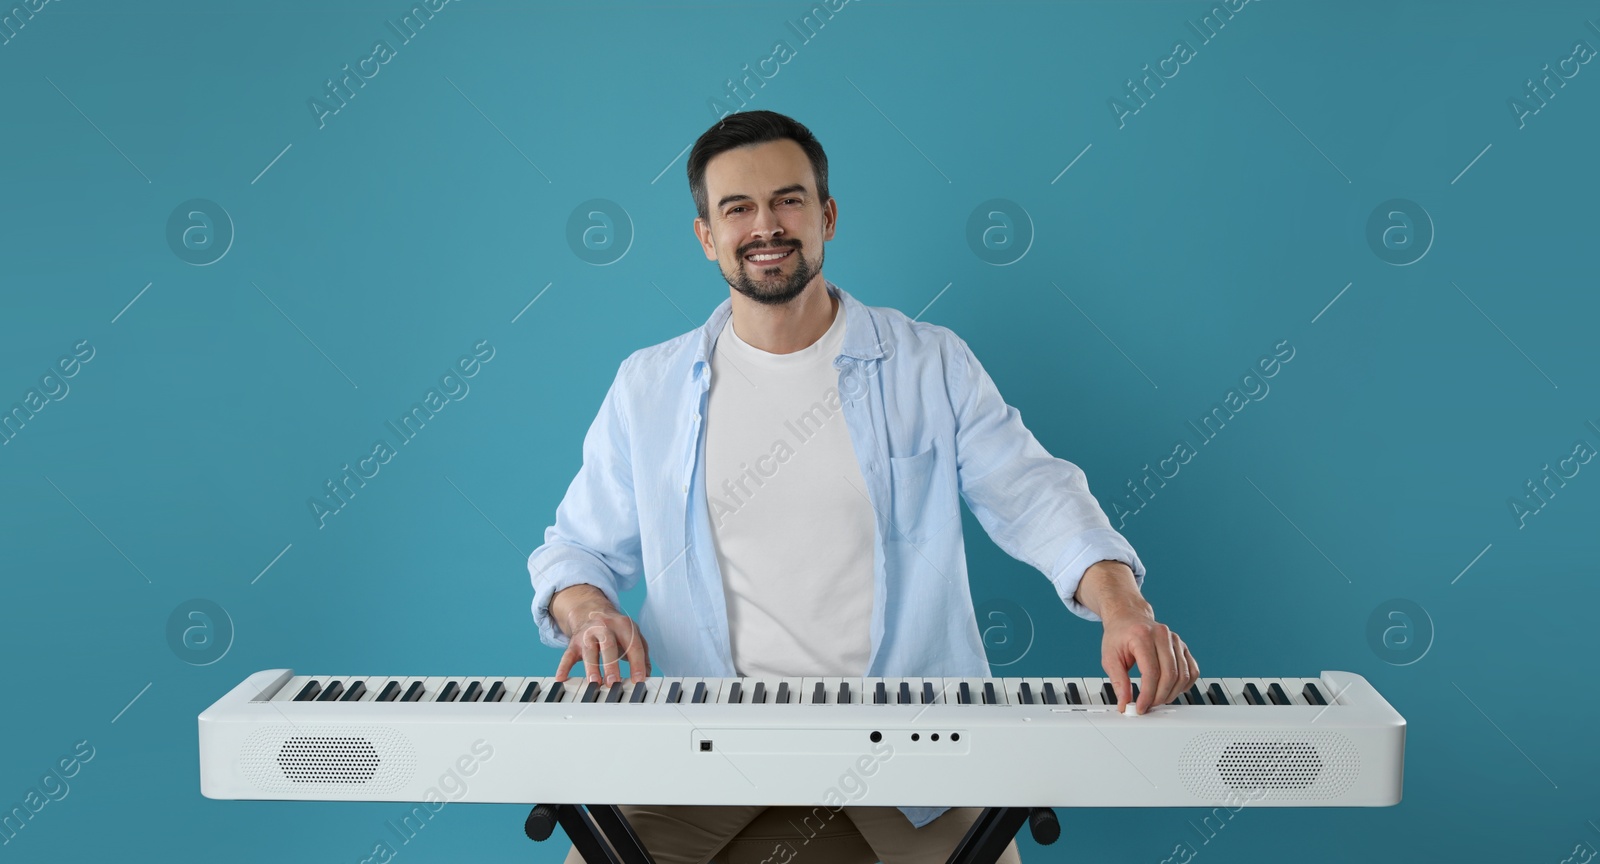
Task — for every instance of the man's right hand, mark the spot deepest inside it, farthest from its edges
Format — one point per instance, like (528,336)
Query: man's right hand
(599,635)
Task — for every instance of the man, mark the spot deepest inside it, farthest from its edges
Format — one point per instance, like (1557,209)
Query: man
(786,478)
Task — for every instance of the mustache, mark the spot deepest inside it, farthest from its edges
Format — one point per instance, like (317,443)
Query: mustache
(748,249)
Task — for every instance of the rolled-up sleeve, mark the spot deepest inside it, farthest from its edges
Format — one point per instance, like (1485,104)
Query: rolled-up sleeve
(595,538)
(1036,507)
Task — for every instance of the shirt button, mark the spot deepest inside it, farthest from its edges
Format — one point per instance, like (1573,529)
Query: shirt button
(685,488)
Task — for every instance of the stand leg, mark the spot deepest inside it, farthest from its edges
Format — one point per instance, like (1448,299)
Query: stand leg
(616,828)
(989,836)
(594,832)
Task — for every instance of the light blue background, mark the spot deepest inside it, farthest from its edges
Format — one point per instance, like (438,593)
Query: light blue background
(426,215)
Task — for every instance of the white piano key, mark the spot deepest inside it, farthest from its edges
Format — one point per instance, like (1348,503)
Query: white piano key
(287,692)
(794,689)
(661,687)
(723,693)
(944,690)
(372,684)
(1235,688)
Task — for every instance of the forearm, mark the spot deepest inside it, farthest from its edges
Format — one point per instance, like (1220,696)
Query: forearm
(1108,589)
(574,597)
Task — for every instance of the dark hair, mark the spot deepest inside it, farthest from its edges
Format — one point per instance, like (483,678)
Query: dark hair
(751,127)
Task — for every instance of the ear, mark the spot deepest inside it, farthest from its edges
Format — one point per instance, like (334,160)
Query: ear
(707,242)
(830,219)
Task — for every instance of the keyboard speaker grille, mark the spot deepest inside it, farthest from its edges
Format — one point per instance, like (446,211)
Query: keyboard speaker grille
(1253,766)
(362,759)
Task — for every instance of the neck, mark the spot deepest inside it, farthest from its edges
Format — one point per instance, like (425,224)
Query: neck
(787,328)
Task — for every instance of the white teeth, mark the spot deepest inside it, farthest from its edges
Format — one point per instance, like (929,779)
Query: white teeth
(768,257)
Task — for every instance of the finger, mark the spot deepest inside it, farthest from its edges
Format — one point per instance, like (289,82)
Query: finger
(638,654)
(1194,666)
(1167,650)
(591,652)
(1117,670)
(610,656)
(1149,673)
(568,657)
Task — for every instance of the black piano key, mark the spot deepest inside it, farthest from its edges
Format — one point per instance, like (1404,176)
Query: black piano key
(844,693)
(1253,695)
(530,692)
(497,691)
(1194,696)
(699,696)
(1073,696)
(413,693)
(964,694)
(615,694)
(1025,695)
(556,690)
(759,695)
(1050,693)
(638,692)
(734,693)
(927,692)
(783,693)
(905,693)
(356,691)
(989,696)
(473,693)
(880,694)
(331,692)
(449,692)
(1312,695)
(1217,695)
(819,696)
(308,692)
(675,692)
(389,692)
(1276,694)
(1108,693)
(591,692)
(1135,697)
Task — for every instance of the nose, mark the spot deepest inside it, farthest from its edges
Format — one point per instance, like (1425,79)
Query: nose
(766,226)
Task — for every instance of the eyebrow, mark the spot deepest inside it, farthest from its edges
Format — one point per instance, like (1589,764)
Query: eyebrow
(793,187)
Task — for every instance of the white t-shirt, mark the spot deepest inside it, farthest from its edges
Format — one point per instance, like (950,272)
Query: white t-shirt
(790,517)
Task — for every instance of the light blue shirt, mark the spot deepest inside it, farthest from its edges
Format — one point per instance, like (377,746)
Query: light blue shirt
(929,429)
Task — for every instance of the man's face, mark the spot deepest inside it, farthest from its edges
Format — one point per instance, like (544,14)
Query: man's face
(762,200)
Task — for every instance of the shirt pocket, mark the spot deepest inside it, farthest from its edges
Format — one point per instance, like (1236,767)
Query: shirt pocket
(919,507)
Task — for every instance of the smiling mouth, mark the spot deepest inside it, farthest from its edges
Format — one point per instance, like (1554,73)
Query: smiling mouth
(766,258)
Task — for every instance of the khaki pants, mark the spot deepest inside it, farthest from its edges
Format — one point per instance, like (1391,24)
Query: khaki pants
(676,834)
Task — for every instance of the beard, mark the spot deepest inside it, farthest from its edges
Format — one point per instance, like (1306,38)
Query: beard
(777,289)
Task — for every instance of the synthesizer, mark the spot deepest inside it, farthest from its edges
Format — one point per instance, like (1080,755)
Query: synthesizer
(904,742)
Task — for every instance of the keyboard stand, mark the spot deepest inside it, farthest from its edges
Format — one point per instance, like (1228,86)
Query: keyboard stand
(602,828)
(595,832)
(995,828)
